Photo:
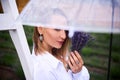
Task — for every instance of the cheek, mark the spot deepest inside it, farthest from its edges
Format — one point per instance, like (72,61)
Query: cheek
(50,38)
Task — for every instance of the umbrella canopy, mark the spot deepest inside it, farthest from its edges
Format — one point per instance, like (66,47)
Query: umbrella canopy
(74,15)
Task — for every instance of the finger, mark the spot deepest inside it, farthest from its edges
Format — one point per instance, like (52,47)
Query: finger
(72,60)
(75,58)
(70,65)
(79,57)
(73,69)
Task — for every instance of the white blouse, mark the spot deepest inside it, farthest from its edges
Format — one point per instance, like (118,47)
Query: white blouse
(47,67)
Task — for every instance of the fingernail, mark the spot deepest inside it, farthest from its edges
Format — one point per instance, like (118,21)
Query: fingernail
(75,51)
(71,52)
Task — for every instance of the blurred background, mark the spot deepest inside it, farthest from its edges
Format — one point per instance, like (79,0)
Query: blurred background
(95,54)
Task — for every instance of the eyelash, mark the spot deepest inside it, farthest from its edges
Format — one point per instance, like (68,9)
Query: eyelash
(57,29)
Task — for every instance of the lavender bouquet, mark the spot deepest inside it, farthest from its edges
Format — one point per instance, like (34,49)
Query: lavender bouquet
(79,40)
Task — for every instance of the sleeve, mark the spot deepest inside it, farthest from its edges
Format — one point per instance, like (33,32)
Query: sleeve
(82,75)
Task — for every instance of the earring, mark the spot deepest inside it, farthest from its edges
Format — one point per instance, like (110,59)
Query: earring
(41,37)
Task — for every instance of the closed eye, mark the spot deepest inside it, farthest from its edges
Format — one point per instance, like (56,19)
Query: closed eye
(57,29)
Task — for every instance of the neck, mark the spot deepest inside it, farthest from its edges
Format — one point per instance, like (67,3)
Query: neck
(47,47)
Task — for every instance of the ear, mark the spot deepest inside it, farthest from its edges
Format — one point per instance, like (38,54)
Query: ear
(40,30)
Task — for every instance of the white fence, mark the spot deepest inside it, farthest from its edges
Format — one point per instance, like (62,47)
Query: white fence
(7,22)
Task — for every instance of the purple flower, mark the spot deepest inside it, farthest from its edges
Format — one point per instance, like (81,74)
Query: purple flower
(79,40)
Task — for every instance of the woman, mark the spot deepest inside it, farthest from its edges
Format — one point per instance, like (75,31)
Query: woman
(50,57)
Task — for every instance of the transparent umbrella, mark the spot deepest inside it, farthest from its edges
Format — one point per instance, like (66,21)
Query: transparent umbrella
(99,16)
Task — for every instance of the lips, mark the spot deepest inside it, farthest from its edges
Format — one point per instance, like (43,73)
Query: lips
(60,42)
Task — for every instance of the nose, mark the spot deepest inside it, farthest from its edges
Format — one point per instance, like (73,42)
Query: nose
(63,34)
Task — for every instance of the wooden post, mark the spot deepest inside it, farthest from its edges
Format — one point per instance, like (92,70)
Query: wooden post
(7,22)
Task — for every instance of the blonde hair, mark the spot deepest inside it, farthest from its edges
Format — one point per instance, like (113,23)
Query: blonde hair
(56,52)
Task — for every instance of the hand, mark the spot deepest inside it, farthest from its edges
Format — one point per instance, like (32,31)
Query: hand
(75,62)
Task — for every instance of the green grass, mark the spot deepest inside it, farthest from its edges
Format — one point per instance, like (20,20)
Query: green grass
(115,71)
(29,35)
(96,61)
(95,55)
(97,76)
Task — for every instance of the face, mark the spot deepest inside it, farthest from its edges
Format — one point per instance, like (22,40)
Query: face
(53,38)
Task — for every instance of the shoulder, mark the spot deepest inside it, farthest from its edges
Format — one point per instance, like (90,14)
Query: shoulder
(41,70)
(39,63)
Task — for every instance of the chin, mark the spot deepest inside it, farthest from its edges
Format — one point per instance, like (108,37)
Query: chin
(58,47)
